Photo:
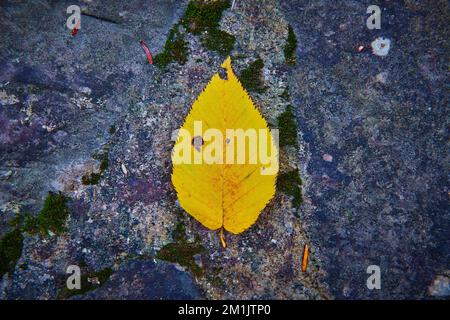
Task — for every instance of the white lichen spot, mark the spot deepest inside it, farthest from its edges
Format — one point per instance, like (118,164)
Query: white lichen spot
(86,90)
(381,77)
(380,46)
(6,99)
(124,169)
(82,102)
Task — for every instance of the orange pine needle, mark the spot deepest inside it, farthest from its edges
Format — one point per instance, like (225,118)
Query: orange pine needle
(305,258)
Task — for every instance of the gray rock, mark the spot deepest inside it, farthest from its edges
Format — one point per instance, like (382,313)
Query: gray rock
(147,280)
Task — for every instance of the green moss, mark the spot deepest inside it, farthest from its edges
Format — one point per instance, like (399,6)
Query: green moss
(87,283)
(104,163)
(179,234)
(203,16)
(288,128)
(175,49)
(94,177)
(251,77)
(291,184)
(285,95)
(91,178)
(181,251)
(112,129)
(200,18)
(183,254)
(290,46)
(52,216)
(214,277)
(219,41)
(10,251)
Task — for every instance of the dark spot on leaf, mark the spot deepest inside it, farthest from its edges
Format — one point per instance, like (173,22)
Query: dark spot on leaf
(197,142)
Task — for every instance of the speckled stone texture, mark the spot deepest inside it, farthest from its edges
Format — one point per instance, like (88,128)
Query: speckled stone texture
(372,149)
(147,280)
(384,198)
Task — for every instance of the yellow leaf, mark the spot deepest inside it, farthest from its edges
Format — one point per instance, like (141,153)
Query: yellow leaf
(225,159)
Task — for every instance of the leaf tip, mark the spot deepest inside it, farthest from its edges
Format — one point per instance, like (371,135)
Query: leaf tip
(227,63)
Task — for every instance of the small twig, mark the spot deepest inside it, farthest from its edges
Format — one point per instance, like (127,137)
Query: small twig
(305,258)
(147,51)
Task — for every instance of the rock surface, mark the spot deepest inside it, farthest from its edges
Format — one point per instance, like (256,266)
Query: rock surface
(371,152)
(147,280)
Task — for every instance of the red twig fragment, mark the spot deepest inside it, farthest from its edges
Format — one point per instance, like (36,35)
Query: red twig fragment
(147,51)
(75,30)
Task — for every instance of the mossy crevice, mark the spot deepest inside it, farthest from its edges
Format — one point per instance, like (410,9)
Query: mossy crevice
(201,18)
(201,15)
(214,277)
(10,251)
(94,177)
(290,47)
(181,251)
(252,78)
(91,178)
(89,281)
(288,128)
(291,184)
(52,218)
(220,41)
(285,94)
(175,49)
(112,129)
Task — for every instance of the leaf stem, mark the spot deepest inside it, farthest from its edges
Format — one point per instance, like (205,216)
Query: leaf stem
(222,239)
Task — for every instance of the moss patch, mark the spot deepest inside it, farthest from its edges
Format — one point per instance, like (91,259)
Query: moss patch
(175,49)
(181,251)
(203,18)
(89,281)
(52,216)
(112,129)
(104,163)
(285,94)
(290,46)
(251,77)
(291,184)
(200,18)
(94,177)
(10,251)
(214,277)
(91,178)
(288,128)
(219,41)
